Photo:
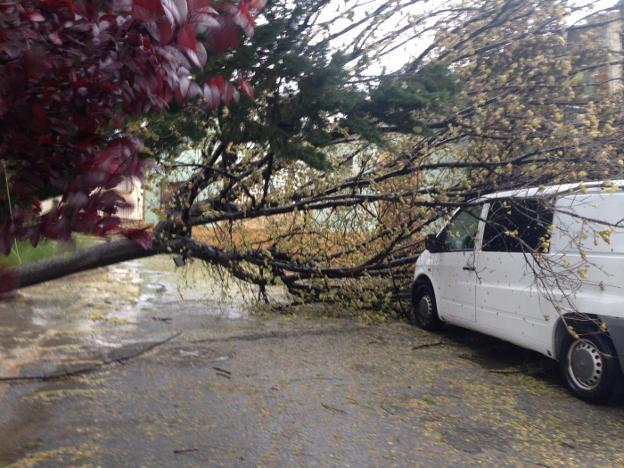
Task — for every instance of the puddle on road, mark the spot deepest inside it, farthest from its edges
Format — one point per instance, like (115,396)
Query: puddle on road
(126,303)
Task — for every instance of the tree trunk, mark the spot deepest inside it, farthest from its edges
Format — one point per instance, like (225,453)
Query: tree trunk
(94,257)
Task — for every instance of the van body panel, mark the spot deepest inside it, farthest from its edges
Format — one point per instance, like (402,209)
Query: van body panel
(454,288)
(556,190)
(509,303)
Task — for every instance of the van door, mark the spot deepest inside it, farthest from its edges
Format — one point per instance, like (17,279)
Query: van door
(453,270)
(509,301)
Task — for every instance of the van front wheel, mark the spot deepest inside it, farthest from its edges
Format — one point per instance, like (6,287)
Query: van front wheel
(424,311)
(590,368)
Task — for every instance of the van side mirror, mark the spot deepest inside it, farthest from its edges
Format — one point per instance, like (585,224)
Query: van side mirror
(431,243)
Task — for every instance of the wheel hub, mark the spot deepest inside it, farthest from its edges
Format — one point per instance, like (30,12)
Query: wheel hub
(585,364)
(425,306)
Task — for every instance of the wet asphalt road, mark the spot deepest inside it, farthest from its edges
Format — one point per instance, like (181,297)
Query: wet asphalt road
(299,389)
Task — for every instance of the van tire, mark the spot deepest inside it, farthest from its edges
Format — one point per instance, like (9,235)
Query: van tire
(424,311)
(595,375)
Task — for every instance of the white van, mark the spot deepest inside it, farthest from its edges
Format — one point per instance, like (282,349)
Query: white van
(542,268)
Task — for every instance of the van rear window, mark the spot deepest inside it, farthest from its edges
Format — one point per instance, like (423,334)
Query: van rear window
(592,222)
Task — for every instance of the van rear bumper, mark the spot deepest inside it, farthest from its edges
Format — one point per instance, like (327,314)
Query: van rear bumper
(616,332)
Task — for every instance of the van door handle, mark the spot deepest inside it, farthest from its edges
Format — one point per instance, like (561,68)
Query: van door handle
(469,268)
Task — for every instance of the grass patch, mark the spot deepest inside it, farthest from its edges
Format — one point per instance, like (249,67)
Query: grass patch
(24,253)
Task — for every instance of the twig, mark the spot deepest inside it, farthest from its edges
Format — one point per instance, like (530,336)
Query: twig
(86,370)
(392,413)
(8,192)
(428,345)
(504,371)
(223,372)
(162,319)
(331,408)
(185,450)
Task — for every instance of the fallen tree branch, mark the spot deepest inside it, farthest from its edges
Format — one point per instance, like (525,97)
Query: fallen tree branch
(88,369)
(104,254)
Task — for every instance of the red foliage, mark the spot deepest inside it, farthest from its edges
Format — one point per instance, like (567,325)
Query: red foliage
(71,73)
(142,236)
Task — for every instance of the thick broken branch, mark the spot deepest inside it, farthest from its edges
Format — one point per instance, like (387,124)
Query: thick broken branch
(100,255)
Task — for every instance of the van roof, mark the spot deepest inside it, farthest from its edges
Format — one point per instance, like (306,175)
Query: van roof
(554,189)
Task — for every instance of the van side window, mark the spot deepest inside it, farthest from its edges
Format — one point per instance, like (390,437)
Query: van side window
(461,231)
(517,225)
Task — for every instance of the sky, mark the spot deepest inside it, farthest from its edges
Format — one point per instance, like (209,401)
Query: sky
(404,54)
(593,5)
